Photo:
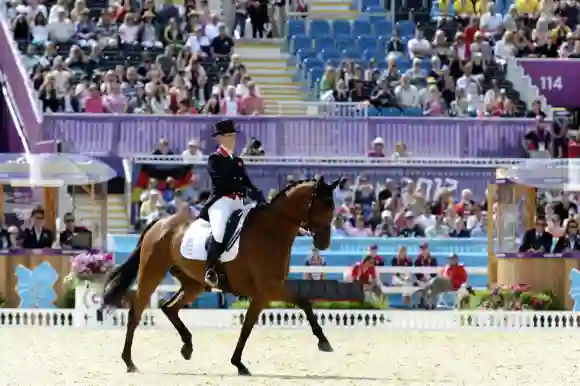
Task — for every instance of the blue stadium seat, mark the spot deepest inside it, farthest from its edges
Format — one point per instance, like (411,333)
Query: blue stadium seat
(370,3)
(341,28)
(390,112)
(310,63)
(374,18)
(361,27)
(413,112)
(352,54)
(364,42)
(426,65)
(371,53)
(374,9)
(318,28)
(329,54)
(382,41)
(403,63)
(314,75)
(300,42)
(406,28)
(304,53)
(383,28)
(295,27)
(343,43)
(323,42)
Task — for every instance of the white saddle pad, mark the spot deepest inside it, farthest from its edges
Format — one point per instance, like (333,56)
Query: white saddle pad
(195,237)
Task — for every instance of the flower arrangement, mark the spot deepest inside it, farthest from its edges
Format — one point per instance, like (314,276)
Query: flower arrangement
(515,298)
(91,266)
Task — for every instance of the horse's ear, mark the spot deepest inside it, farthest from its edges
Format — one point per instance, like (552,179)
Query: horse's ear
(335,183)
(321,180)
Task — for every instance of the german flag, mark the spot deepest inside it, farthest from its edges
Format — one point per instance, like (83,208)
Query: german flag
(181,174)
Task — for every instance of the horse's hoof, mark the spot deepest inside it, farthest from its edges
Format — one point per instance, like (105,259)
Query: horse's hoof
(243,371)
(186,351)
(325,347)
(132,369)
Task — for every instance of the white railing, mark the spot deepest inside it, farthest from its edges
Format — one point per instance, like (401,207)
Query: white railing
(348,161)
(294,319)
(523,84)
(317,108)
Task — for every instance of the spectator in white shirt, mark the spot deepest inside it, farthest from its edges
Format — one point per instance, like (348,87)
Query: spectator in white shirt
(212,28)
(491,21)
(193,151)
(406,93)
(419,46)
(505,48)
(38,30)
(62,29)
(34,8)
(60,74)
(148,31)
(129,30)
(196,42)
(242,88)
(60,6)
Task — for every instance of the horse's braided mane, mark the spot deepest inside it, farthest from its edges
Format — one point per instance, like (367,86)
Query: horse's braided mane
(291,185)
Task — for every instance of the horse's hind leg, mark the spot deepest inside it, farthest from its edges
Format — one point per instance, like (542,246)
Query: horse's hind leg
(152,270)
(305,305)
(189,291)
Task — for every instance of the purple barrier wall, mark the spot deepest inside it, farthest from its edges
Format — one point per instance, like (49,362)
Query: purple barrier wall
(556,79)
(312,136)
(10,142)
(430,180)
(19,86)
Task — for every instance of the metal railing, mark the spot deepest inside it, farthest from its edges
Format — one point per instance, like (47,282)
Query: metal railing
(317,108)
(345,161)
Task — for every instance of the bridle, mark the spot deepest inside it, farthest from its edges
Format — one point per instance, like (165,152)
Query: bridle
(307,224)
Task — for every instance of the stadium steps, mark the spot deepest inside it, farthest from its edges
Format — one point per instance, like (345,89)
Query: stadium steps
(268,66)
(332,9)
(88,214)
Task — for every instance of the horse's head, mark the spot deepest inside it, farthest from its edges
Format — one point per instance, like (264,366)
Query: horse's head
(312,206)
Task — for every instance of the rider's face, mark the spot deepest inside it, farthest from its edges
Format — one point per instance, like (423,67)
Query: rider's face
(228,141)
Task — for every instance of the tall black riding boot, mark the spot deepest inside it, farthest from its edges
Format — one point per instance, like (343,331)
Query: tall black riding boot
(214,251)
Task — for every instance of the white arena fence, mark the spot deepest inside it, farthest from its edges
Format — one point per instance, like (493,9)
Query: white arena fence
(295,319)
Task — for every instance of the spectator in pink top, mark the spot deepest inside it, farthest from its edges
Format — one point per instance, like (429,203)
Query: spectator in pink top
(252,104)
(435,105)
(360,229)
(93,102)
(115,101)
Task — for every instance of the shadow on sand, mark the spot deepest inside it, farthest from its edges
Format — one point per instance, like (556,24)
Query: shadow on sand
(282,377)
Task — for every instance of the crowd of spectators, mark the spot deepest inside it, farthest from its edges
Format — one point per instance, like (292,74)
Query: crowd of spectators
(457,72)
(132,58)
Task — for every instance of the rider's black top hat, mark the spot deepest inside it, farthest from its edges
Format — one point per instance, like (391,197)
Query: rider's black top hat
(226,126)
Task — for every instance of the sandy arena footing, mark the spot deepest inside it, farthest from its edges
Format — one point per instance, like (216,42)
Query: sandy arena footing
(42,357)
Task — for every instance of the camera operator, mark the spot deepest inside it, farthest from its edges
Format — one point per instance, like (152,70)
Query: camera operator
(253,148)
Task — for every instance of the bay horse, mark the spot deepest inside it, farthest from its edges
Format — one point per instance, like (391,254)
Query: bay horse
(259,270)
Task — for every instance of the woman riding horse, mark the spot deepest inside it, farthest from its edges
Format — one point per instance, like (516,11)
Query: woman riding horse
(259,270)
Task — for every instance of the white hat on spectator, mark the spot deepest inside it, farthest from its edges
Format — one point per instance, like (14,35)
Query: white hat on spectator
(193,142)
(154,192)
(22,9)
(378,141)
(409,214)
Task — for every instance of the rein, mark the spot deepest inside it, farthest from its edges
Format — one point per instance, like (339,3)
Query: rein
(305,224)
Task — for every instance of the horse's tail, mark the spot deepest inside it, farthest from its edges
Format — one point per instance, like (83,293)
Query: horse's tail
(124,275)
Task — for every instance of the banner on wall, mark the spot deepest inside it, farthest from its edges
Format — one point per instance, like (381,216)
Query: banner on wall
(431,180)
(556,79)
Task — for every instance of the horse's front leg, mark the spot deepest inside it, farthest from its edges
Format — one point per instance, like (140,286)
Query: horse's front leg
(306,306)
(252,314)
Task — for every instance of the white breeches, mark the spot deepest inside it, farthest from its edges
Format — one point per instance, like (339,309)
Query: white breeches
(219,213)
